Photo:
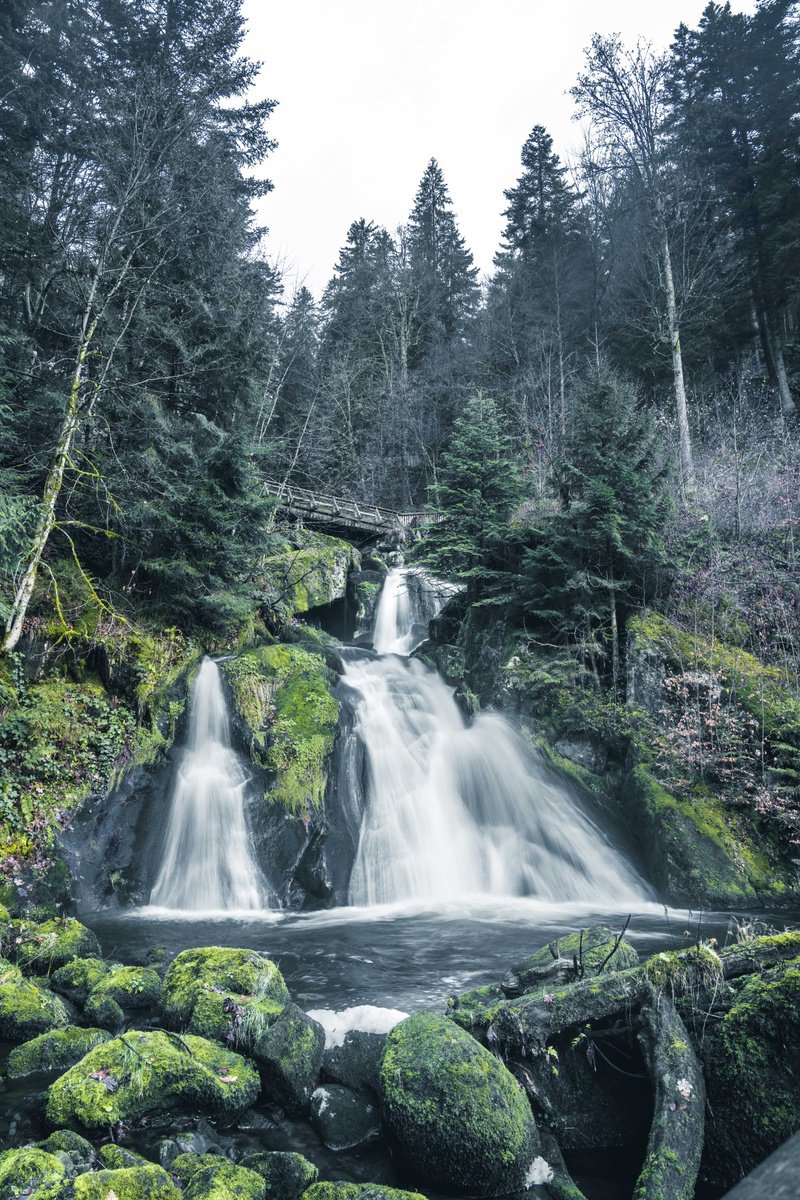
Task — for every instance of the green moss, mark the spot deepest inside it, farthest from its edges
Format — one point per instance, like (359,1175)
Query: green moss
(54,1051)
(150,1073)
(595,947)
(753,1075)
(41,948)
(287,1175)
(212,1177)
(67,1144)
(199,982)
(117,1158)
(697,850)
(312,573)
(31,1173)
(76,979)
(25,1009)
(131,1183)
(281,697)
(684,972)
(132,987)
(357,1191)
(288,1052)
(475,1009)
(459,1117)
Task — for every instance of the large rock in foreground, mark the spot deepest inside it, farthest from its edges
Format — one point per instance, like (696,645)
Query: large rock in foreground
(459,1117)
(141,1074)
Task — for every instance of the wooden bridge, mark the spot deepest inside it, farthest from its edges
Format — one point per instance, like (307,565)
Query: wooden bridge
(315,508)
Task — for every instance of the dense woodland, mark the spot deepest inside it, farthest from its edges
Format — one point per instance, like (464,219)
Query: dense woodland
(609,421)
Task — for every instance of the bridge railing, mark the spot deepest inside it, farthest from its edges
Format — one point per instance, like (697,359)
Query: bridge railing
(320,504)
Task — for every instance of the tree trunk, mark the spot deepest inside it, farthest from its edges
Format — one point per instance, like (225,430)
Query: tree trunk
(55,478)
(687,462)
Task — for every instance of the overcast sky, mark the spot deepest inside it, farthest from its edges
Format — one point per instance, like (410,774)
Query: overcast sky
(370,90)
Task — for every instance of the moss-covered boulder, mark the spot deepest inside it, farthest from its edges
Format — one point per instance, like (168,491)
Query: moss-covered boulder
(32,1173)
(40,947)
(71,1148)
(55,1050)
(288,718)
(212,1177)
(141,1074)
(459,1118)
(592,949)
(288,1053)
(204,988)
(131,1183)
(121,989)
(752,1065)
(287,1175)
(118,1158)
(310,573)
(77,979)
(26,1010)
(358,1191)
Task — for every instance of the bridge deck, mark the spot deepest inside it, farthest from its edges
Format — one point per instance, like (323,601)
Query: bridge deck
(321,509)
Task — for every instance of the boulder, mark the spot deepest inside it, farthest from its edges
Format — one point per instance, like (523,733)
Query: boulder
(55,1050)
(342,1118)
(459,1118)
(357,1191)
(76,979)
(26,1010)
(204,987)
(32,1173)
(142,1074)
(213,1177)
(288,1053)
(71,1148)
(119,989)
(130,1183)
(41,947)
(355,1062)
(287,1175)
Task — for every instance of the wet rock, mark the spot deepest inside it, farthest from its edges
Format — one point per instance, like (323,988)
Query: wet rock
(356,1062)
(208,991)
(357,1191)
(584,752)
(120,989)
(76,979)
(459,1118)
(55,1050)
(71,1148)
(140,1074)
(289,1056)
(212,1177)
(342,1118)
(119,1158)
(287,1175)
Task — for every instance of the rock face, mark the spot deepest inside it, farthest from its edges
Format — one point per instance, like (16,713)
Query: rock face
(459,1118)
(141,1074)
(310,573)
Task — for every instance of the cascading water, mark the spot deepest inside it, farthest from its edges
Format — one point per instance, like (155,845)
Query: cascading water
(454,809)
(207,863)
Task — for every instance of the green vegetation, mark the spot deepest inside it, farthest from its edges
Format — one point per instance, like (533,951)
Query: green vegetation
(130,1183)
(357,1191)
(199,982)
(282,698)
(54,1051)
(32,1173)
(26,1010)
(39,948)
(309,573)
(212,1177)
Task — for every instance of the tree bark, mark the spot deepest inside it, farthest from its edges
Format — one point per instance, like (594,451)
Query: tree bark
(679,387)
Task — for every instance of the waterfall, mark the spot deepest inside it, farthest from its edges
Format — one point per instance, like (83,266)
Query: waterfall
(207,863)
(454,809)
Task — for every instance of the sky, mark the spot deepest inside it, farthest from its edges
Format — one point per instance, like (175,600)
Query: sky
(369,91)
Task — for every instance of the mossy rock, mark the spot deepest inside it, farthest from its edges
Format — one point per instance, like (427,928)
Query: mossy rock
(55,1050)
(32,1173)
(77,979)
(459,1117)
(288,718)
(289,1053)
(357,1191)
(752,1065)
(25,1009)
(475,1009)
(212,1177)
(287,1175)
(596,947)
(41,947)
(65,1143)
(203,987)
(141,1074)
(118,1158)
(695,851)
(130,1183)
(119,989)
(312,573)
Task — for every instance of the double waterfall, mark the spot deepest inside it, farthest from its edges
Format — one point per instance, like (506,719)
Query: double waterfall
(447,808)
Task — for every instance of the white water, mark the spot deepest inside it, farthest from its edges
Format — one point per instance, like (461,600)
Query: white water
(207,863)
(454,810)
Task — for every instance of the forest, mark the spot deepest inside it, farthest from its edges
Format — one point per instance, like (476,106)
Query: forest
(600,439)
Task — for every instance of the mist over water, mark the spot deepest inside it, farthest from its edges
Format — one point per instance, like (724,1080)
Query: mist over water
(207,862)
(453,810)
